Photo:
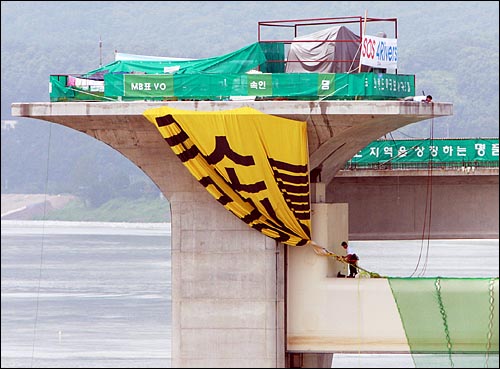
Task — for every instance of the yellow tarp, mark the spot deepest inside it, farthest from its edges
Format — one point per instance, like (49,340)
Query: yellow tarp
(254,164)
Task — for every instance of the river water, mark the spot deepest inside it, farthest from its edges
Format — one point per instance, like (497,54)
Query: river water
(96,295)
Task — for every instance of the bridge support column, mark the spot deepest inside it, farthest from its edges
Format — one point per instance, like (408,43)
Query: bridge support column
(330,226)
(306,269)
(227,288)
(318,192)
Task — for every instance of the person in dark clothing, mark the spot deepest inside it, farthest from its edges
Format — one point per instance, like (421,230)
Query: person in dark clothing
(351,259)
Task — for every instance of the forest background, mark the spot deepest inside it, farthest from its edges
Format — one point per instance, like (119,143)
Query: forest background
(451,47)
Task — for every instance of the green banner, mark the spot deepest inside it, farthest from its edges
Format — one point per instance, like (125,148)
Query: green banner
(148,85)
(217,86)
(326,84)
(394,85)
(437,150)
(260,84)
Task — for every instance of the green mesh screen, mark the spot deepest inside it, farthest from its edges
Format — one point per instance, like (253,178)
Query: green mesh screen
(449,322)
(254,70)
(239,61)
(275,56)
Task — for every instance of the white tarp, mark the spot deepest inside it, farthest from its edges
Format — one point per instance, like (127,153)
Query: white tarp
(124,56)
(335,43)
(86,84)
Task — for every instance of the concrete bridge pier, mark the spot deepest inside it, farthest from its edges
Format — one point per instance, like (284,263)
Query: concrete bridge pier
(227,288)
(228,283)
(330,226)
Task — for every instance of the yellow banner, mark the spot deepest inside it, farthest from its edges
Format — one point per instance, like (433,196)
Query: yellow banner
(254,164)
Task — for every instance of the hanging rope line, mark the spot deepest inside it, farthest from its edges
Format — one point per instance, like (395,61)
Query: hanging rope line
(40,268)
(91,94)
(426,227)
(322,251)
(359,321)
(319,250)
(429,196)
(449,346)
(491,289)
(427,210)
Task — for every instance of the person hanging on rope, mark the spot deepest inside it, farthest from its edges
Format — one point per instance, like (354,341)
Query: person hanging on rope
(351,259)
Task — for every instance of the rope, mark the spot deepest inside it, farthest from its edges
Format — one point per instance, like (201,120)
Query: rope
(88,93)
(490,322)
(321,251)
(437,284)
(429,186)
(276,296)
(35,324)
(428,205)
(359,322)
(330,94)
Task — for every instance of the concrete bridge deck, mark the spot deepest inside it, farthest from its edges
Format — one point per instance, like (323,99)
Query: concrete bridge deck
(397,204)
(336,129)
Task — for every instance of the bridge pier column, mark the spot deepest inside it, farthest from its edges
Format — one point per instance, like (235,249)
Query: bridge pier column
(330,226)
(306,270)
(227,288)
(318,192)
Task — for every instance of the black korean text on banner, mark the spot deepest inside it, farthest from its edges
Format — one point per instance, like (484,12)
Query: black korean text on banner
(254,164)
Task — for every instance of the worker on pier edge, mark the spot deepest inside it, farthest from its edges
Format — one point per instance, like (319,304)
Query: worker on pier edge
(351,259)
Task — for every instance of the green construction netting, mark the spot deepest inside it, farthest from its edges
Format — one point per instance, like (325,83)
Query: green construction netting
(392,152)
(275,57)
(239,61)
(256,70)
(449,322)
